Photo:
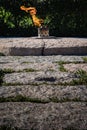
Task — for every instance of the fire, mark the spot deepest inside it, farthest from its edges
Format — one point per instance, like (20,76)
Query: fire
(37,22)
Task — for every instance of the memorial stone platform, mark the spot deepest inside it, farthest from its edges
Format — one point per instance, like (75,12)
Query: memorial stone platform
(43,46)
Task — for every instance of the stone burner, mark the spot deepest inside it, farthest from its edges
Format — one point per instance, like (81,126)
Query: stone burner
(43,31)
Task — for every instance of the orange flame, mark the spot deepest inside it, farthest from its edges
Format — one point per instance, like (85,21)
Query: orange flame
(37,22)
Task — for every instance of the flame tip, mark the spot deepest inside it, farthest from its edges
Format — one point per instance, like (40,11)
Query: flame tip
(32,10)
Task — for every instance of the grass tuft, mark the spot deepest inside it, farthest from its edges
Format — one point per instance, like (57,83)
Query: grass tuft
(30,70)
(1,77)
(85,59)
(56,100)
(3,72)
(1,54)
(61,68)
(8,71)
(26,62)
(82,75)
(8,128)
(21,98)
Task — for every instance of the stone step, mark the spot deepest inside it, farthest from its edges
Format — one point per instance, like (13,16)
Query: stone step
(39,77)
(45,93)
(26,66)
(50,116)
(30,66)
(72,67)
(43,46)
(41,59)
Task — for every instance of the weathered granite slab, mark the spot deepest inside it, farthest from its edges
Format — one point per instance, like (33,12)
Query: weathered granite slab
(48,93)
(21,46)
(39,77)
(43,46)
(50,116)
(32,66)
(74,67)
(65,46)
(40,59)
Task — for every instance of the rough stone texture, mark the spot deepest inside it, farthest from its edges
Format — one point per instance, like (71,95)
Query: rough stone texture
(74,67)
(42,46)
(51,116)
(20,66)
(39,77)
(40,59)
(21,46)
(46,92)
(46,63)
(69,112)
(65,46)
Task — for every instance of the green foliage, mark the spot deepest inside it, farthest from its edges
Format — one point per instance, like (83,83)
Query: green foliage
(25,22)
(47,20)
(6,18)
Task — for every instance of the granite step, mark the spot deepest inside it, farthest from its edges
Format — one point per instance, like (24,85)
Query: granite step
(39,77)
(43,46)
(41,59)
(49,116)
(42,64)
(44,93)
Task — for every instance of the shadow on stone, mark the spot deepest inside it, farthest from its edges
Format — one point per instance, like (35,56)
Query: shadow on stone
(49,79)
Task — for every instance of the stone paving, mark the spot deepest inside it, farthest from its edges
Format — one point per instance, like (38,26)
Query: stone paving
(43,92)
(74,67)
(50,116)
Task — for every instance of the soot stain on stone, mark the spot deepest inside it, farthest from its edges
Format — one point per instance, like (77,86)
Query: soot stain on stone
(49,79)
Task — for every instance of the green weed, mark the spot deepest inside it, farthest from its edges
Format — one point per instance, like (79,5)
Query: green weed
(85,59)
(61,68)
(29,70)
(1,54)
(21,98)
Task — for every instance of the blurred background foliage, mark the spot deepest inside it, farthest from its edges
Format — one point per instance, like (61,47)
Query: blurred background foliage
(63,17)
